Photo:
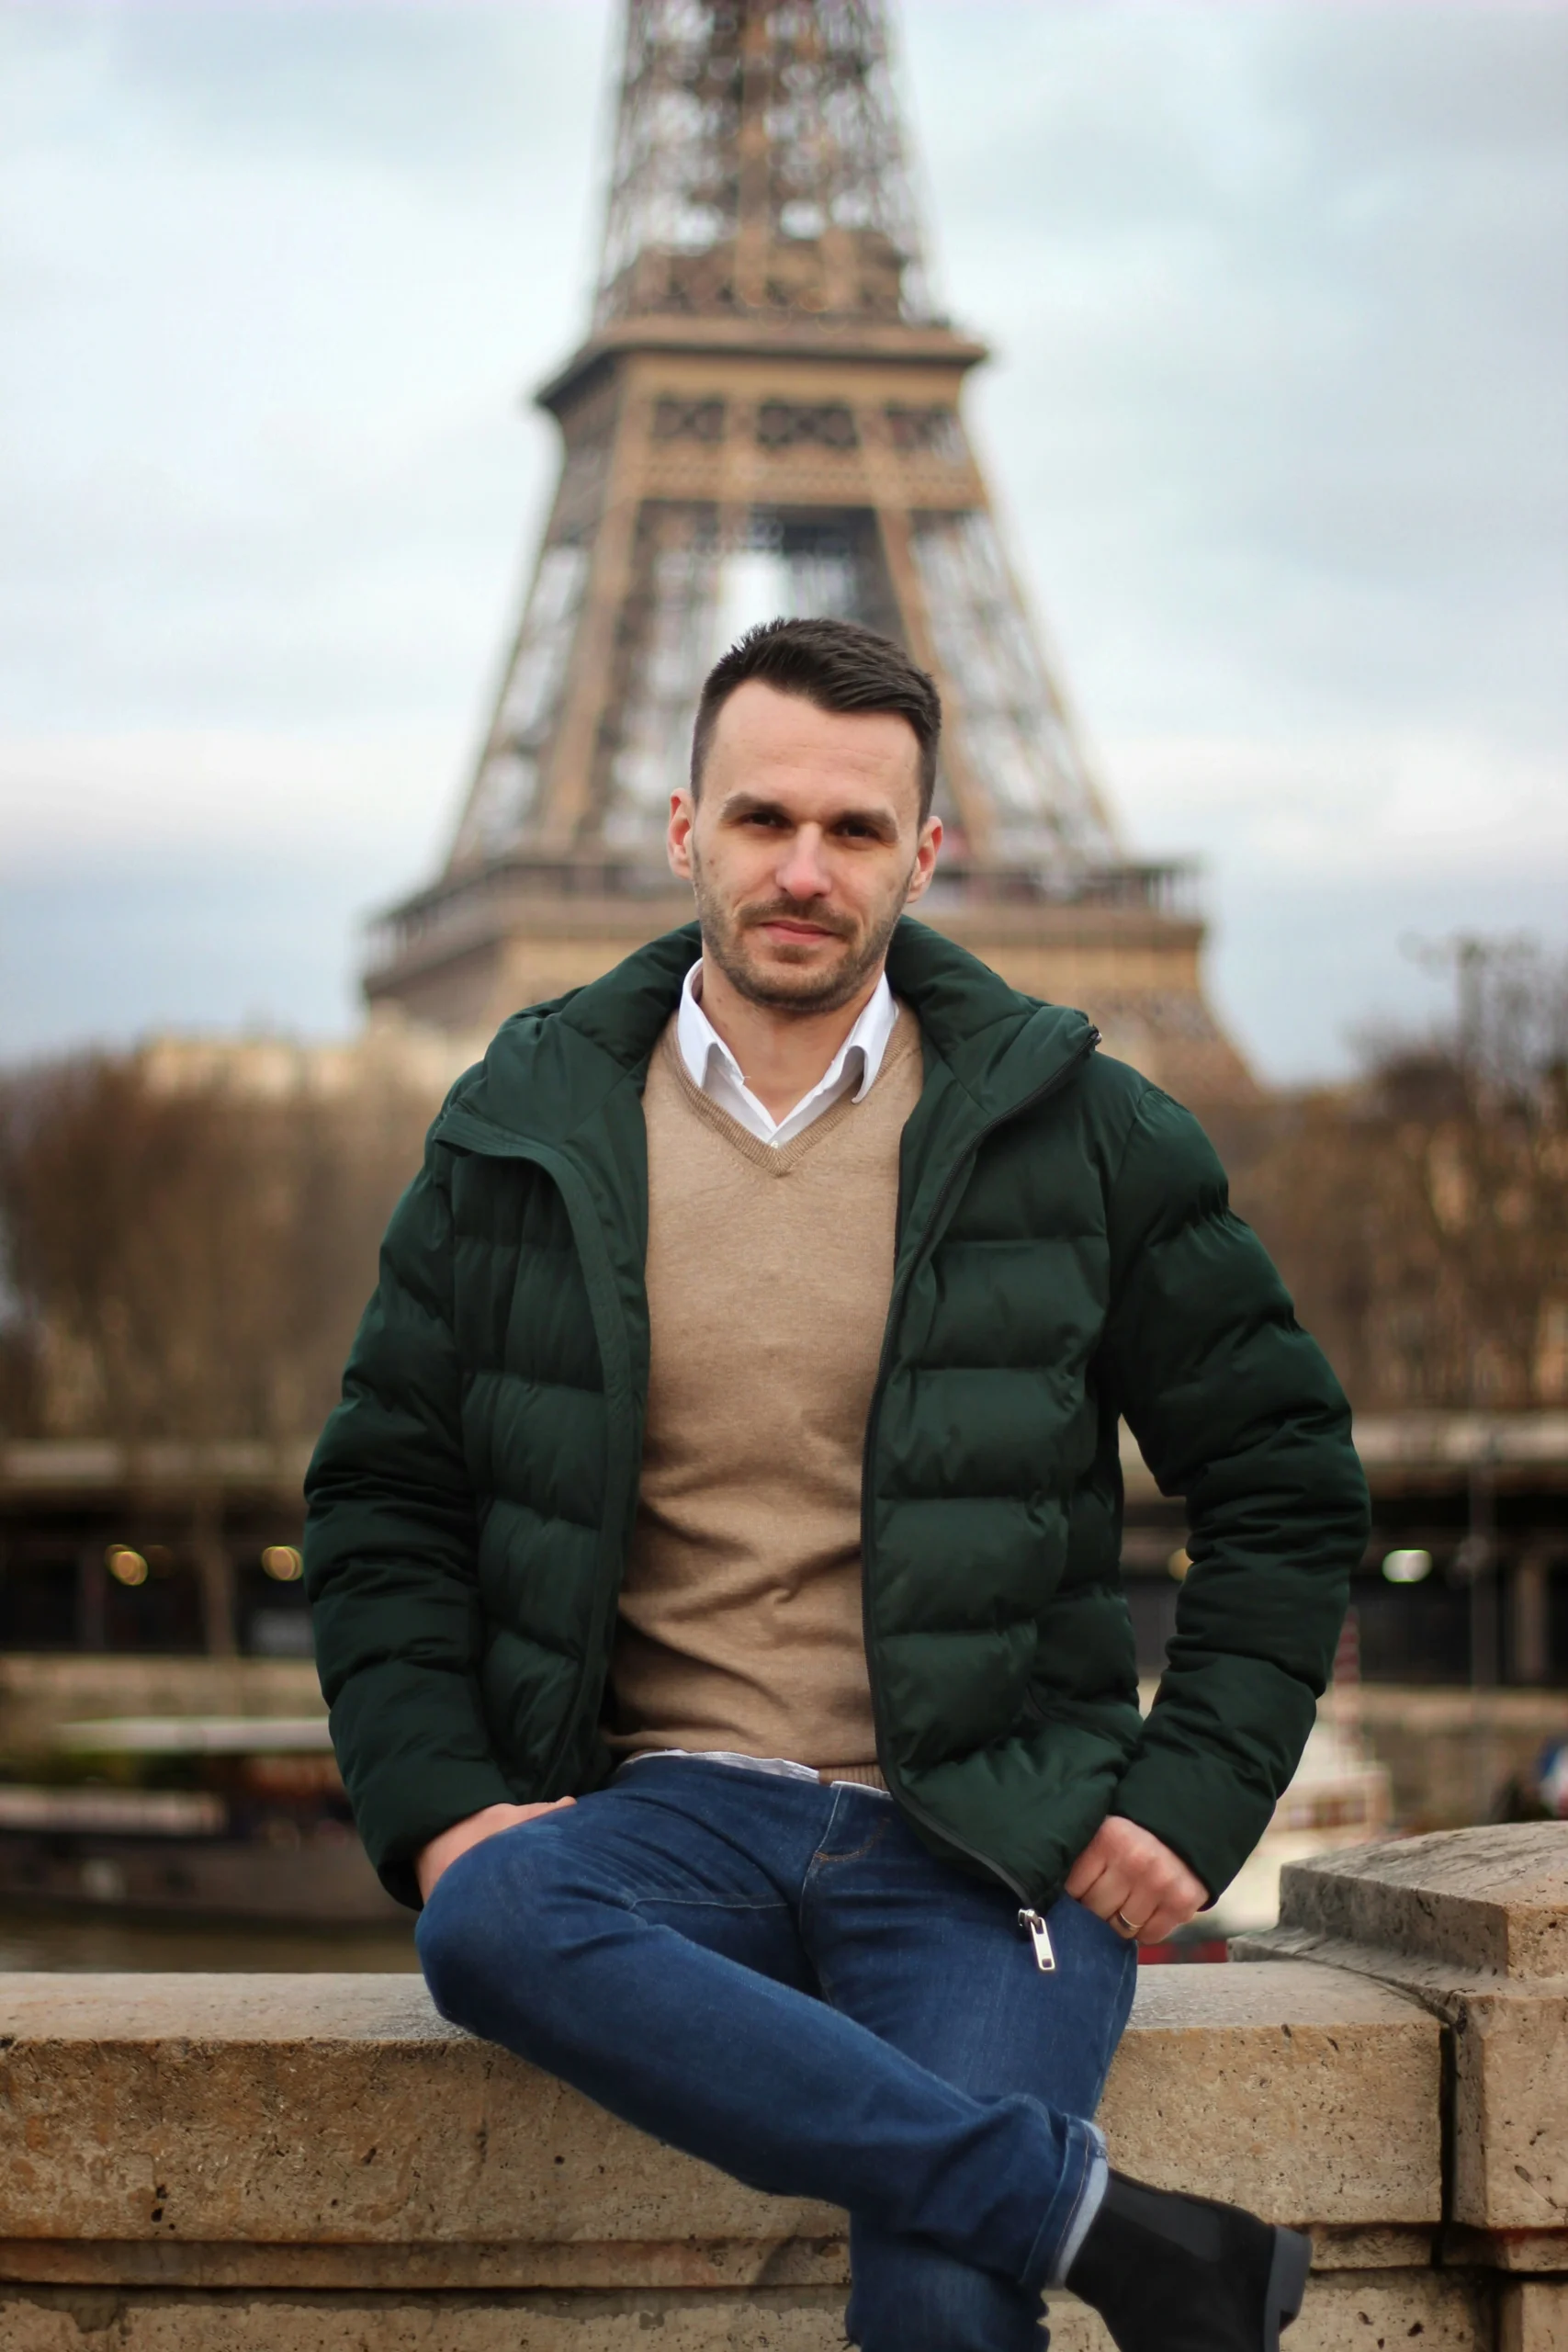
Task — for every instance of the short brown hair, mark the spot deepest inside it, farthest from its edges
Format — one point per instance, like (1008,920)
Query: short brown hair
(838,665)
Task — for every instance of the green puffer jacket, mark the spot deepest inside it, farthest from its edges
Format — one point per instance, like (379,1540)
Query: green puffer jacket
(1066,1255)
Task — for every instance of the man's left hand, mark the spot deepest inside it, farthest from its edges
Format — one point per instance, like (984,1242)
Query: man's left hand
(1126,1877)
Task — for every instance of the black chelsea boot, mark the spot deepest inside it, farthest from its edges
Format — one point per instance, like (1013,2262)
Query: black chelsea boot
(1169,2273)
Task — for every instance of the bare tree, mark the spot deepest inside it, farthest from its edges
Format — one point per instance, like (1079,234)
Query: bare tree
(1421,1216)
(187,1261)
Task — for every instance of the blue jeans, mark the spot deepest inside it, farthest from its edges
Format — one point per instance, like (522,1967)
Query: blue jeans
(778,1977)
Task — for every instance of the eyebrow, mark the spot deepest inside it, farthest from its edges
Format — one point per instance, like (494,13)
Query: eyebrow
(740,805)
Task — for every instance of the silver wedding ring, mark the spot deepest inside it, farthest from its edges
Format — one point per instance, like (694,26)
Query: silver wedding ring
(1125,1924)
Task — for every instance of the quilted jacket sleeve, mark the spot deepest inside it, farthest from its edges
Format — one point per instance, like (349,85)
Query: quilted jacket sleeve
(389,1559)
(1236,1408)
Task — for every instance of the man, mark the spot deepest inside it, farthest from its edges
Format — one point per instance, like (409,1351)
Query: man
(714,1557)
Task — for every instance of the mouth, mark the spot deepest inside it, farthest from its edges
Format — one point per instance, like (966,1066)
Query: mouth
(794,931)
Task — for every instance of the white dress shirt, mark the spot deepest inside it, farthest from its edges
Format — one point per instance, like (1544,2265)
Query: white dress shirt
(712,1067)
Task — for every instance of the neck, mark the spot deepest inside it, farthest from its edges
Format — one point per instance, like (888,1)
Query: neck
(781,1055)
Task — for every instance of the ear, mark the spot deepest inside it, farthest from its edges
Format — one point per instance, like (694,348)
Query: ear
(678,839)
(925,860)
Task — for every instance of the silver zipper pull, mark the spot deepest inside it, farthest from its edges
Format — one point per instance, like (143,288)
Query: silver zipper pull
(1039,1934)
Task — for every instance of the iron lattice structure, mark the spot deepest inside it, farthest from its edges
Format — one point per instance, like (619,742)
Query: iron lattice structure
(765,419)
(759,163)
(760,182)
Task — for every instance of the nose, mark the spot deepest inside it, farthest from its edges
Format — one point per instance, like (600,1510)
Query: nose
(801,872)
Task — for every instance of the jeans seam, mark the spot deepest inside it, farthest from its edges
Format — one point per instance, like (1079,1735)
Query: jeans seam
(808,1877)
(695,1902)
(849,1853)
(824,1853)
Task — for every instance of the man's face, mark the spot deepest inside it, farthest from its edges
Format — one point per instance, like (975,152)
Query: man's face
(805,846)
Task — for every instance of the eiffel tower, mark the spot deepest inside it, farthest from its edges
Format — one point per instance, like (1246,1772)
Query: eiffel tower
(765,418)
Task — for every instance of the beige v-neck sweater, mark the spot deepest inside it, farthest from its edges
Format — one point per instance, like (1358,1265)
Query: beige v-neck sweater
(769,1274)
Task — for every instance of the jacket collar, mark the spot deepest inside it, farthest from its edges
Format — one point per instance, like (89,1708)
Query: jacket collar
(999,1046)
(552,1069)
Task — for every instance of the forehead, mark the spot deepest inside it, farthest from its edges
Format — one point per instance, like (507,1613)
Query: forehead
(765,741)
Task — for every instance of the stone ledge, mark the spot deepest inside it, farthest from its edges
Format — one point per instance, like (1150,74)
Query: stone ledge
(1313,2106)
(1535,2251)
(1349,2313)
(617,2264)
(1464,1904)
(583,2264)
(1474,1924)
(341,2111)
(316,2164)
(607,2265)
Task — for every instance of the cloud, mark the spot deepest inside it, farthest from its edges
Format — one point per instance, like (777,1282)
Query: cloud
(205,878)
(429,91)
(1284,330)
(163,796)
(273,468)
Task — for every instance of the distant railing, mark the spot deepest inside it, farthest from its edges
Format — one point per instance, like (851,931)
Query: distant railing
(466,902)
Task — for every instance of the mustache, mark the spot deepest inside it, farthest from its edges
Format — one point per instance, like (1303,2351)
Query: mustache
(795,911)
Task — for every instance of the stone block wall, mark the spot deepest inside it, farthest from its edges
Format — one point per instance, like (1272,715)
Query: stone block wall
(318,2164)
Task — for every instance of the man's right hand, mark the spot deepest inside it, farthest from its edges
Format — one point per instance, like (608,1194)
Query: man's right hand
(442,1852)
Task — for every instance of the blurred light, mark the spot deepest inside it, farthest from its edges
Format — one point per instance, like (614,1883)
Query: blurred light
(125,1565)
(283,1563)
(1406,1568)
(1179,1564)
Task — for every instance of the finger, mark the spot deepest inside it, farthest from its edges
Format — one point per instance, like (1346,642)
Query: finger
(1161,1902)
(1159,1926)
(1084,1871)
(1147,1898)
(1110,1893)
(1099,1855)
(1164,1922)
(1138,1905)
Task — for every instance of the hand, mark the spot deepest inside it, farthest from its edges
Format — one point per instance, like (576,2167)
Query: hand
(443,1851)
(1126,1876)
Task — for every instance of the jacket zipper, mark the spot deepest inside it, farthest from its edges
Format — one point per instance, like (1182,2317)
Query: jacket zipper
(1031,1921)
(1039,1934)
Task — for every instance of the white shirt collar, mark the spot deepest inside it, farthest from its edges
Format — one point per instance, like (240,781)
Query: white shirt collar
(852,1071)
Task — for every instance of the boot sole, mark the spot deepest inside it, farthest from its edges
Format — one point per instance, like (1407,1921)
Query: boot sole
(1287,2284)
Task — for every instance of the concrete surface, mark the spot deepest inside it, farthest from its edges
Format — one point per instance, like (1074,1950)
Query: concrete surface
(1474,1923)
(342,2109)
(1534,2318)
(1490,1902)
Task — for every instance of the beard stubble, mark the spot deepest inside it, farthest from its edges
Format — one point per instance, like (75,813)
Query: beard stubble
(724,937)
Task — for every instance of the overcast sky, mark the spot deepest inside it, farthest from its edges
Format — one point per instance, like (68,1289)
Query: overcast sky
(1277,419)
